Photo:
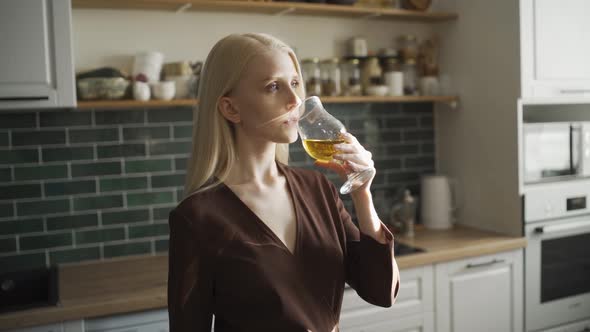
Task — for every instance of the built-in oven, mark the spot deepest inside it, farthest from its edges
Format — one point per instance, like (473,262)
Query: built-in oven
(557,256)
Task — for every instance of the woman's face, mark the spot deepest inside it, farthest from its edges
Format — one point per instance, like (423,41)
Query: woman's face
(270,87)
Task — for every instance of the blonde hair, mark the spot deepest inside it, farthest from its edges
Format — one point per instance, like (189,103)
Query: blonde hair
(213,149)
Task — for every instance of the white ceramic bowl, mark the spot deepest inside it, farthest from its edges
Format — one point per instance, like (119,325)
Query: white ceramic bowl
(164,90)
(377,90)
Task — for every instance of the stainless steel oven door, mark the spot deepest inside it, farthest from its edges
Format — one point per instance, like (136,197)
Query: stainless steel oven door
(557,272)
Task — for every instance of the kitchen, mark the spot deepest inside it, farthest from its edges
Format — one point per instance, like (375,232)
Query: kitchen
(124,165)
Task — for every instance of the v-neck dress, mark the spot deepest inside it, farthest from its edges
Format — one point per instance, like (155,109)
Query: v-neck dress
(224,262)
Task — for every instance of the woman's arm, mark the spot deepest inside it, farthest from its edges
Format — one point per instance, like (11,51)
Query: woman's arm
(190,283)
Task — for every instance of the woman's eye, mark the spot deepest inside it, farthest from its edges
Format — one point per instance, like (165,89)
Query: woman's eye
(295,83)
(274,86)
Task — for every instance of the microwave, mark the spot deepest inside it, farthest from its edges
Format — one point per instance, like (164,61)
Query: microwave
(555,151)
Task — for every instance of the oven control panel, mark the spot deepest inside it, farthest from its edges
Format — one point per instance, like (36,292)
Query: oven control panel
(557,200)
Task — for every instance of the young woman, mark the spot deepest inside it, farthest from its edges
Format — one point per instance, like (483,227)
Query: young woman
(257,244)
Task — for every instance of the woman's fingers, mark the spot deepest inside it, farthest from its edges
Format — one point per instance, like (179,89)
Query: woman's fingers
(339,168)
(364,158)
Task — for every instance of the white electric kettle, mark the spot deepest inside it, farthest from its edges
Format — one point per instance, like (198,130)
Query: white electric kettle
(437,202)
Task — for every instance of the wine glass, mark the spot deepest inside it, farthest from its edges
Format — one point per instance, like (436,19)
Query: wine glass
(319,132)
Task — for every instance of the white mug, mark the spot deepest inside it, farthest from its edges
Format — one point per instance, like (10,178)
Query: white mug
(437,202)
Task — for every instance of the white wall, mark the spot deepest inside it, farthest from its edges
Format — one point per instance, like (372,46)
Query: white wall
(477,143)
(112,37)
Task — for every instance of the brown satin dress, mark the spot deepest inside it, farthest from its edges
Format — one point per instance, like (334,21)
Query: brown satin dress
(226,263)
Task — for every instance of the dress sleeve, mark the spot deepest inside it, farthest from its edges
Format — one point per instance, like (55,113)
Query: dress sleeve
(370,265)
(190,285)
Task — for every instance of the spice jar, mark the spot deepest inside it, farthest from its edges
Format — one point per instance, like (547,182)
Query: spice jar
(330,70)
(371,73)
(408,46)
(311,75)
(352,78)
(410,77)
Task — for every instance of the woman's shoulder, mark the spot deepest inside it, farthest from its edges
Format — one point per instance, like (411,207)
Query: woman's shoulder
(206,213)
(200,205)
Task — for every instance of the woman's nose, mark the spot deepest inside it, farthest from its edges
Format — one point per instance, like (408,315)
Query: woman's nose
(294,100)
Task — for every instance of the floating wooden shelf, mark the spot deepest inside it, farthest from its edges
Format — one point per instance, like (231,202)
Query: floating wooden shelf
(125,104)
(267,7)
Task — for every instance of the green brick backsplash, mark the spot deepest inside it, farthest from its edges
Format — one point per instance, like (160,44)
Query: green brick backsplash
(91,185)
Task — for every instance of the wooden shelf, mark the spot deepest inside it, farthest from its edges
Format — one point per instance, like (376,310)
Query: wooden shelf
(267,7)
(124,104)
(129,103)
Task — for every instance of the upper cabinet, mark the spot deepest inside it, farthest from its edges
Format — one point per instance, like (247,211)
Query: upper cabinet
(36,59)
(555,54)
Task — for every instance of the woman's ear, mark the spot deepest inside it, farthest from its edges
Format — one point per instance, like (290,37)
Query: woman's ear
(228,110)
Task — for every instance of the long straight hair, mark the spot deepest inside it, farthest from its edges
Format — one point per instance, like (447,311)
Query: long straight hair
(213,146)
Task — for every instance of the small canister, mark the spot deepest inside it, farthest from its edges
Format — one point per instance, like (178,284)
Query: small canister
(371,73)
(394,77)
(311,76)
(358,47)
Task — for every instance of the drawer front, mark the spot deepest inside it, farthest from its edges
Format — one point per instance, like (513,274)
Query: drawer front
(414,323)
(146,321)
(415,297)
(44,328)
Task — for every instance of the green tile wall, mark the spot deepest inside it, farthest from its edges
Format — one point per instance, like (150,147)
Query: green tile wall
(91,185)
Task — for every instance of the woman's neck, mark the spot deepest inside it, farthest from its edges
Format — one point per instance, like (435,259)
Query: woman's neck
(255,163)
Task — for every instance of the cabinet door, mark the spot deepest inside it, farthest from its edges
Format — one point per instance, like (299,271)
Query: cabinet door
(416,296)
(36,54)
(554,47)
(480,294)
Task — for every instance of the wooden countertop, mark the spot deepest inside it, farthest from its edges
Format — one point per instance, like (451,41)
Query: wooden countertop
(139,283)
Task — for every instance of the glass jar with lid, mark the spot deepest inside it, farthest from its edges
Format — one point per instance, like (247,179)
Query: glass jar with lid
(408,46)
(410,74)
(351,78)
(330,71)
(311,76)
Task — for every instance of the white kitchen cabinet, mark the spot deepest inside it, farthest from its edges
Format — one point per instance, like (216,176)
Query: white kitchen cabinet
(145,321)
(70,326)
(36,58)
(412,311)
(554,52)
(480,294)
(582,326)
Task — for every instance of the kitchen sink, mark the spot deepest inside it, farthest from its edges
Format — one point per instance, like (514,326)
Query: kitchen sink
(26,289)
(401,249)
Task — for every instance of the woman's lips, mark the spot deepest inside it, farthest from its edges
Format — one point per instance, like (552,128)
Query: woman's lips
(291,121)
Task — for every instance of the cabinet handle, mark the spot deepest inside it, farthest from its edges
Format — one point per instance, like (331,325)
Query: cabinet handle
(574,91)
(24,98)
(492,262)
